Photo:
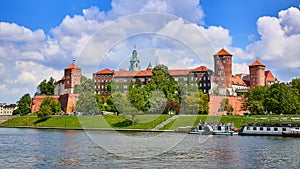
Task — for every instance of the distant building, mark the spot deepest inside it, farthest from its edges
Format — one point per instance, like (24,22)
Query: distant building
(1,108)
(199,76)
(9,109)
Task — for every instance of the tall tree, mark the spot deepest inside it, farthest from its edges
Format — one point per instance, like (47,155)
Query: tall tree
(47,88)
(48,107)
(87,100)
(23,105)
(124,106)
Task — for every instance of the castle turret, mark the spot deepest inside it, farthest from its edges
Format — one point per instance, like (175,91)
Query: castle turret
(223,68)
(72,77)
(257,74)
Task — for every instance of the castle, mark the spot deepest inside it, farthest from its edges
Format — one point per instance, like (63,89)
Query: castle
(219,82)
(64,91)
(209,81)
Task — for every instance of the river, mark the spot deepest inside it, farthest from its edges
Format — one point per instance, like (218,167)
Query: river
(34,148)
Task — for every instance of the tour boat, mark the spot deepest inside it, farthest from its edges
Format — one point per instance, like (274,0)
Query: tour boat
(267,129)
(214,128)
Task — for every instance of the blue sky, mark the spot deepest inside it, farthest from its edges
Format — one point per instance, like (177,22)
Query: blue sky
(40,38)
(238,16)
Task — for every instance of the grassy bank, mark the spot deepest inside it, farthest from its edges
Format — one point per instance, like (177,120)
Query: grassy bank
(107,121)
(142,121)
(238,121)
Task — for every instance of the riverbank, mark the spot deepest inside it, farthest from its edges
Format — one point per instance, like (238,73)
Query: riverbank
(142,122)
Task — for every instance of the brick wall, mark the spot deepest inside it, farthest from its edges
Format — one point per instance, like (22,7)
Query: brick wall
(67,102)
(235,102)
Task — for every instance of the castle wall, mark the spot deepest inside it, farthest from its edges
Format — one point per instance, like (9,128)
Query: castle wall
(67,101)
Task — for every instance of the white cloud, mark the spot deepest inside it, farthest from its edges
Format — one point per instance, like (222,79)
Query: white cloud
(280,40)
(15,33)
(240,68)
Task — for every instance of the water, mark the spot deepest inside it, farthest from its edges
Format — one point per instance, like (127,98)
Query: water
(32,148)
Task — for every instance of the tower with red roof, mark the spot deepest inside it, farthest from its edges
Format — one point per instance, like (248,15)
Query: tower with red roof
(72,77)
(257,74)
(223,68)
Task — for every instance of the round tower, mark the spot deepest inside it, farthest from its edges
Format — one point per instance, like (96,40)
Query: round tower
(223,68)
(257,74)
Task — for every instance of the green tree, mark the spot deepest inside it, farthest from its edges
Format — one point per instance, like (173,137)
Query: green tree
(296,84)
(48,107)
(255,99)
(282,99)
(47,88)
(138,97)
(124,106)
(156,102)
(23,105)
(87,100)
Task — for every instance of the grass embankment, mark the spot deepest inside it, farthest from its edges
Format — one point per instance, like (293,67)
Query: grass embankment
(238,121)
(107,121)
(142,121)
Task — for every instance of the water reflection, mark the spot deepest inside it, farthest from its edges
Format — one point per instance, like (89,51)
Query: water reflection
(26,148)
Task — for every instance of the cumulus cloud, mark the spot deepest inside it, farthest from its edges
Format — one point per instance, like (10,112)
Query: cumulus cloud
(15,33)
(280,40)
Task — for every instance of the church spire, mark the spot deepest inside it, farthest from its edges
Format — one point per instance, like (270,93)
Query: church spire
(134,61)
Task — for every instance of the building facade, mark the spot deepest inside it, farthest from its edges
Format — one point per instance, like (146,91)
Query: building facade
(1,108)
(200,76)
(9,109)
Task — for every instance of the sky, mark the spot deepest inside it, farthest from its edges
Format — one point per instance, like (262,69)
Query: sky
(38,39)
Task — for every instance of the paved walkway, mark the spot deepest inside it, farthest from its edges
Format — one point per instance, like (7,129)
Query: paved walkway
(165,122)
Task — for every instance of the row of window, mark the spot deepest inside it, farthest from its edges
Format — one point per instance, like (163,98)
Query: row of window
(267,128)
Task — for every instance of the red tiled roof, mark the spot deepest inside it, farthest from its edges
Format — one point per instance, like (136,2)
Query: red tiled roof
(201,68)
(105,71)
(144,73)
(125,73)
(236,80)
(257,63)
(72,66)
(223,52)
(179,72)
(269,76)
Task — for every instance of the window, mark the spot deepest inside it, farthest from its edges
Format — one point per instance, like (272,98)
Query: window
(248,128)
(254,128)
(204,91)
(125,86)
(283,129)
(261,129)
(268,129)
(275,129)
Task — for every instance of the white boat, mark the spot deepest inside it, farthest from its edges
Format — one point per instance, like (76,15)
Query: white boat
(267,129)
(214,128)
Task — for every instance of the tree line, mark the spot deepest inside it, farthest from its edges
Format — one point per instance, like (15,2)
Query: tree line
(279,98)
